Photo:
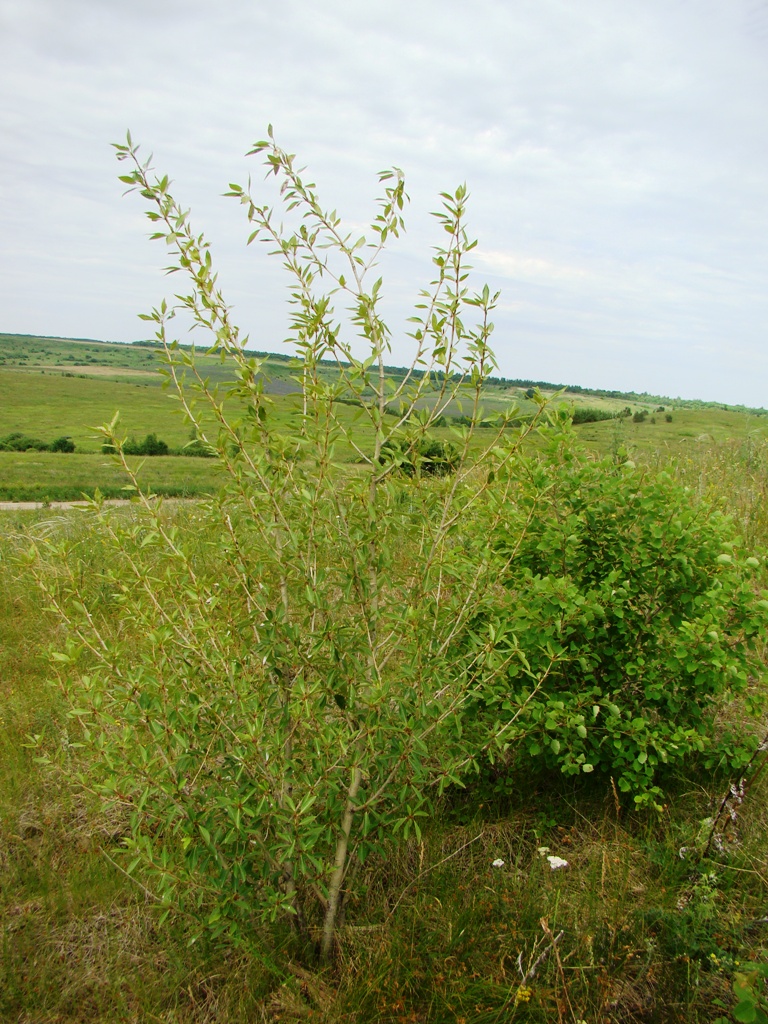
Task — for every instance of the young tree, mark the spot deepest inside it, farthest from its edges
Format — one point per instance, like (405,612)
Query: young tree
(276,692)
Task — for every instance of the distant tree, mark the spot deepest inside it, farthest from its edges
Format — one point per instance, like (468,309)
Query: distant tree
(151,445)
(422,455)
(63,444)
(585,414)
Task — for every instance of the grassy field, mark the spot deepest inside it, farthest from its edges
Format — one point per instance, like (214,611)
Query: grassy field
(52,387)
(689,428)
(45,476)
(47,405)
(104,359)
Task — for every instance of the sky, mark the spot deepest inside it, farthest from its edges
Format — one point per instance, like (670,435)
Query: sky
(615,151)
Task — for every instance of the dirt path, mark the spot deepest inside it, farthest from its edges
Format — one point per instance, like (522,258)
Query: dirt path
(30,506)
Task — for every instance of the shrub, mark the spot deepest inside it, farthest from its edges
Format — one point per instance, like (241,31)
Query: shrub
(151,445)
(420,455)
(626,614)
(63,444)
(18,442)
(584,414)
(639,416)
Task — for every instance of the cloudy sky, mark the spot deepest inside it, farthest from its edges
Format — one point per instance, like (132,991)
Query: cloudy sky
(616,152)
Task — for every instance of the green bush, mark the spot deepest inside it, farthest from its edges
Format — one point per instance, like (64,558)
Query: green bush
(584,414)
(63,444)
(151,445)
(420,456)
(272,694)
(626,612)
(18,442)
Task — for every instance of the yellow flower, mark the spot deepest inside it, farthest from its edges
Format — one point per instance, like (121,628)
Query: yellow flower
(523,995)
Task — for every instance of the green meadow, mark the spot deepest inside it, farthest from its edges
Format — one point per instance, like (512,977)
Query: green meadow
(54,387)
(46,476)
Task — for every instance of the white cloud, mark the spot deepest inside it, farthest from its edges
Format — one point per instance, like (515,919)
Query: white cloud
(615,155)
(515,265)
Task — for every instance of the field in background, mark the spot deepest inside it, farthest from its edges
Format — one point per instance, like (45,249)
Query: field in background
(53,387)
(47,476)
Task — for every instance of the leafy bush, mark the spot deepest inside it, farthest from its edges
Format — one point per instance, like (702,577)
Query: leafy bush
(151,445)
(18,442)
(640,416)
(585,414)
(420,456)
(63,444)
(626,613)
(271,691)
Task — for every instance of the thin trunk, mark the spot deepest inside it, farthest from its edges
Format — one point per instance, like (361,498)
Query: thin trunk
(339,866)
(285,682)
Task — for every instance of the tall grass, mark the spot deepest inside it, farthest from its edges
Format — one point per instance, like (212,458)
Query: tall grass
(731,473)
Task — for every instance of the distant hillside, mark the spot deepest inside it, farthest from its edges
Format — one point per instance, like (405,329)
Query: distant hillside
(20,351)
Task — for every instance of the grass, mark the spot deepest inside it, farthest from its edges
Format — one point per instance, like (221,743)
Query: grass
(689,429)
(47,476)
(103,359)
(47,404)
(51,387)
